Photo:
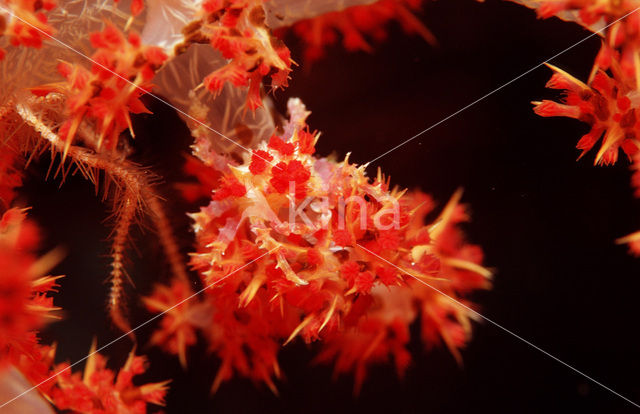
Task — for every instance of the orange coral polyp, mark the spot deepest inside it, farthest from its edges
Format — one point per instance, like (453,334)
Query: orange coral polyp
(605,104)
(26,305)
(107,94)
(237,29)
(310,247)
(28,26)
(99,390)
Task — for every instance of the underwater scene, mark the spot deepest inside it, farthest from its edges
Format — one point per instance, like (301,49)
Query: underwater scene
(312,206)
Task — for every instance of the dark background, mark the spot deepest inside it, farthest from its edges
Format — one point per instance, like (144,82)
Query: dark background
(546,223)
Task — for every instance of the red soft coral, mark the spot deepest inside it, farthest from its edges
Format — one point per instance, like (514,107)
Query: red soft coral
(182,316)
(100,390)
(357,25)
(108,93)
(237,29)
(25,304)
(26,25)
(607,105)
(312,247)
(621,31)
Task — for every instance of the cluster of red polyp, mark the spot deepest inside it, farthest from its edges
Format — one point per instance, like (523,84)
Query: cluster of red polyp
(111,90)
(607,104)
(358,25)
(25,308)
(622,34)
(609,101)
(25,22)
(24,288)
(98,390)
(296,245)
(237,29)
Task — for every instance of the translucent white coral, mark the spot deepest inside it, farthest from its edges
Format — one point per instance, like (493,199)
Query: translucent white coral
(165,20)
(236,128)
